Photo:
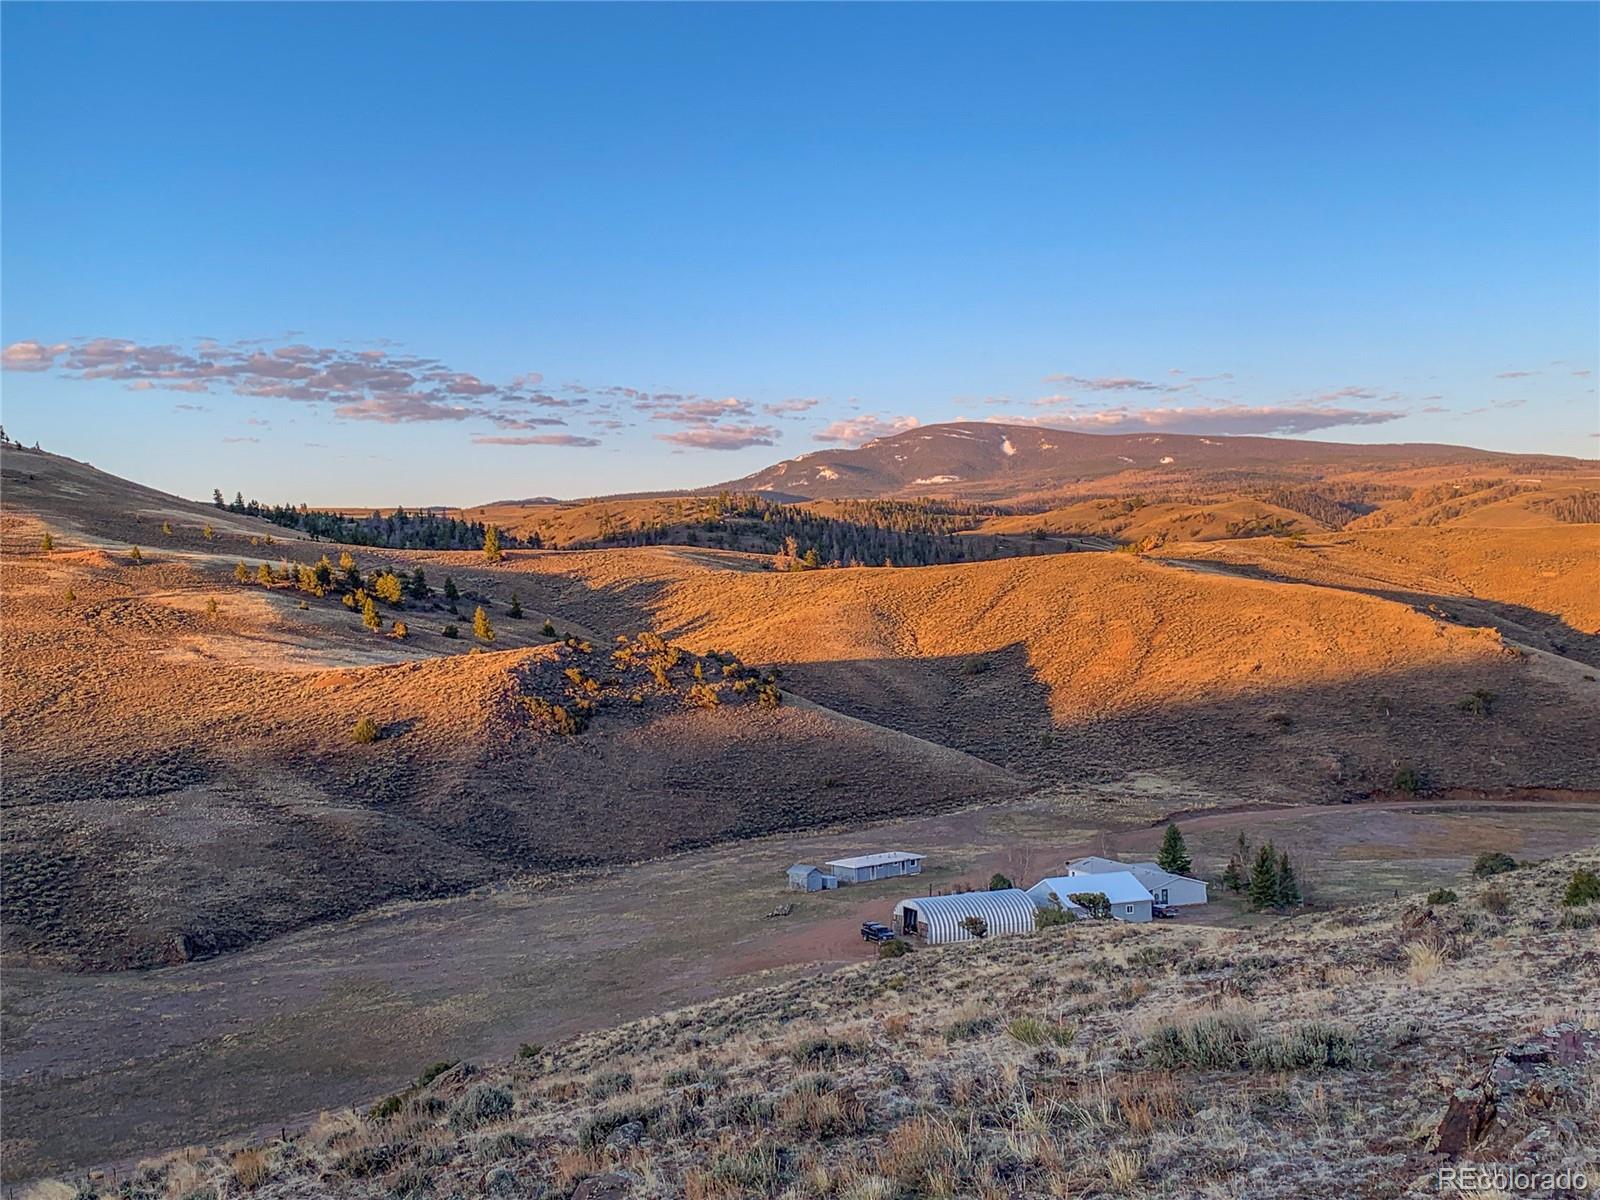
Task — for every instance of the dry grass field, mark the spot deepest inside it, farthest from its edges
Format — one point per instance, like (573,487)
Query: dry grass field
(1307,1057)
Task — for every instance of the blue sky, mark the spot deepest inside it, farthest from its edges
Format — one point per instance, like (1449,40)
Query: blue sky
(386,253)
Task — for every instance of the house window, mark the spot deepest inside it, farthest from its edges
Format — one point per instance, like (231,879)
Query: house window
(1128,908)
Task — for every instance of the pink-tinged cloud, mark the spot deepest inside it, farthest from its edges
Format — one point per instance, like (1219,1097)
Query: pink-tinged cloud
(722,437)
(1369,394)
(360,384)
(505,421)
(856,430)
(1237,419)
(1113,383)
(533,439)
(786,408)
(31,356)
(693,410)
(403,408)
(241,439)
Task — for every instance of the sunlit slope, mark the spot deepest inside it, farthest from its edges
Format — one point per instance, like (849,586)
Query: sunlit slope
(1539,584)
(1098,666)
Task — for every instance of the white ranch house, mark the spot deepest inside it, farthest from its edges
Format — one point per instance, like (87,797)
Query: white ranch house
(1130,899)
(1165,888)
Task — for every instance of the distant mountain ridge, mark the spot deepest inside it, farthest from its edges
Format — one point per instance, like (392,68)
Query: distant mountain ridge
(979,460)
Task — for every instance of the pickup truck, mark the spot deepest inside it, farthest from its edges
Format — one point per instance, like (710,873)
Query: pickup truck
(872,931)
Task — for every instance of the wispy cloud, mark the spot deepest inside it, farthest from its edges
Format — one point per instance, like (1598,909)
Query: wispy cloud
(368,383)
(692,410)
(722,437)
(1112,383)
(31,356)
(1238,419)
(789,408)
(855,430)
(533,439)
(241,439)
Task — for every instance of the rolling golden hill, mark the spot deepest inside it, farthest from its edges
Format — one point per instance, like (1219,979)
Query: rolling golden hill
(161,710)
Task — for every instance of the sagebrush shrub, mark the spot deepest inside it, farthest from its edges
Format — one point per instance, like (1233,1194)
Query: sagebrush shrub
(482,1104)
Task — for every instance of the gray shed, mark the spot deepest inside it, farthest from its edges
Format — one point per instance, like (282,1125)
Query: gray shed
(939,918)
(805,878)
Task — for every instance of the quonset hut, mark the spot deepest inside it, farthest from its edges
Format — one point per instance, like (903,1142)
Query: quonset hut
(938,919)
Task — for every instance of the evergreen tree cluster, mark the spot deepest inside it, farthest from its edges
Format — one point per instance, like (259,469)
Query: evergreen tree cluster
(899,533)
(401,530)
(1575,508)
(1332,504)
(1267,877)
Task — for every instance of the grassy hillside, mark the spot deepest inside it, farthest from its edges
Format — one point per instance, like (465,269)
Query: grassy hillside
(161,707)
(159,711)
(1096,666)
(1345,1053)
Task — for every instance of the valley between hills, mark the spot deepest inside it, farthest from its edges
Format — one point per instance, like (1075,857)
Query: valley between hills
(226,906)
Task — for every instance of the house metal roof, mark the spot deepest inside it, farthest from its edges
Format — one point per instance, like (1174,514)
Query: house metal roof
(1119,887)
(876,860)
(1149,873)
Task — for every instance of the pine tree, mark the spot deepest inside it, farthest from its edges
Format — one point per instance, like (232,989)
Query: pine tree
(451,595)
(515,611)
(1233,875)
(264,575)
(1174,855)
(481,629)
(491,545)
(241,573)
(1288,885)
(216,498)
(419,585)
(1264,878)
(136,554)
(352,573)
(548,629)
(47,543)
(369,615)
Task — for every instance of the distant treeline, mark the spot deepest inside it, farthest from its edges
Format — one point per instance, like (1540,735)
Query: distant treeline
(399,530)
(899,533)
(1575,508)
(1333,504)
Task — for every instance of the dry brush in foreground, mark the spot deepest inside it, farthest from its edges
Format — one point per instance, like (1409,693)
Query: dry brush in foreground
(1348,1053)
